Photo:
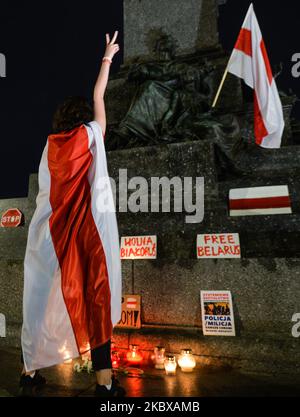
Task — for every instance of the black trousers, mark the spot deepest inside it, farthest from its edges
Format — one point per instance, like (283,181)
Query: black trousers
(100,356)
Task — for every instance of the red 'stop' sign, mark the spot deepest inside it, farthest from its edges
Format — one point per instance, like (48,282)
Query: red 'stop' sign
(11,218)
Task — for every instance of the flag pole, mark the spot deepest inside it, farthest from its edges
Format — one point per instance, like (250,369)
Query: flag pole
(220,88)
(226,71)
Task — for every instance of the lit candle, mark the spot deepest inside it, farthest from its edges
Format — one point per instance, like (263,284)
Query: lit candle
(159,357)
(67,358)
(115,359)
(186,360)
(133,355)
(170,365)
(65,353)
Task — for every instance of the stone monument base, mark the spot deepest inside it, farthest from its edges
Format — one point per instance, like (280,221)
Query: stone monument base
(264,283)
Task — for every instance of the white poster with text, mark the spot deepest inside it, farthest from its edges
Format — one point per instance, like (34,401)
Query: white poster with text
(219,246)
(138,247)
(217,313)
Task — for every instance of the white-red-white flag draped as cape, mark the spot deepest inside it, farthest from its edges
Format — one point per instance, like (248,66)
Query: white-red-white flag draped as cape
(72,269)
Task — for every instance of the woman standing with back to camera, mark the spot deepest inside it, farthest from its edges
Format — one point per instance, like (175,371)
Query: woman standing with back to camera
(72,270)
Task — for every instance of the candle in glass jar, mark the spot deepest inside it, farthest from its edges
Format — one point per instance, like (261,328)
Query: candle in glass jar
(186,360)
(170,365)
(115,359)
(133,356)
(159,357)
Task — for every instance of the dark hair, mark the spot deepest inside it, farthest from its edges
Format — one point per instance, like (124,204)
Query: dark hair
(73,112)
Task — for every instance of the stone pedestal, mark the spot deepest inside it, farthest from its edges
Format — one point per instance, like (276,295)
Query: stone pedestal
(264,283)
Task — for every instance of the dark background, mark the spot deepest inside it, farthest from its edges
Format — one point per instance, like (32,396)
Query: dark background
(55,49)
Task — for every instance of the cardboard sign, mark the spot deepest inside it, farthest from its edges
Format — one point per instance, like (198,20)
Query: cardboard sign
(131,312)
(11,218)
(226,246)
(217,313)
(138,247)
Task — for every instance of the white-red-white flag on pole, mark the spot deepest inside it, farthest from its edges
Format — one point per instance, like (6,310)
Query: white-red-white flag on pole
(249,61)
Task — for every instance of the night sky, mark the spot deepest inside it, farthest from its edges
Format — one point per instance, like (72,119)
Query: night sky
(54,50)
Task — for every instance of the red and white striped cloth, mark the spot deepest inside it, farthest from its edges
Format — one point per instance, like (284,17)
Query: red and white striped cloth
(72,268)
(259,201)
(249,61)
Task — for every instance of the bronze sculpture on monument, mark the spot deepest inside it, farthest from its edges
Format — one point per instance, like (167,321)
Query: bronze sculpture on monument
(171,96)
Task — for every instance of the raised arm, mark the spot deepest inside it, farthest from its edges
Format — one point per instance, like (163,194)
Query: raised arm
(99,107)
